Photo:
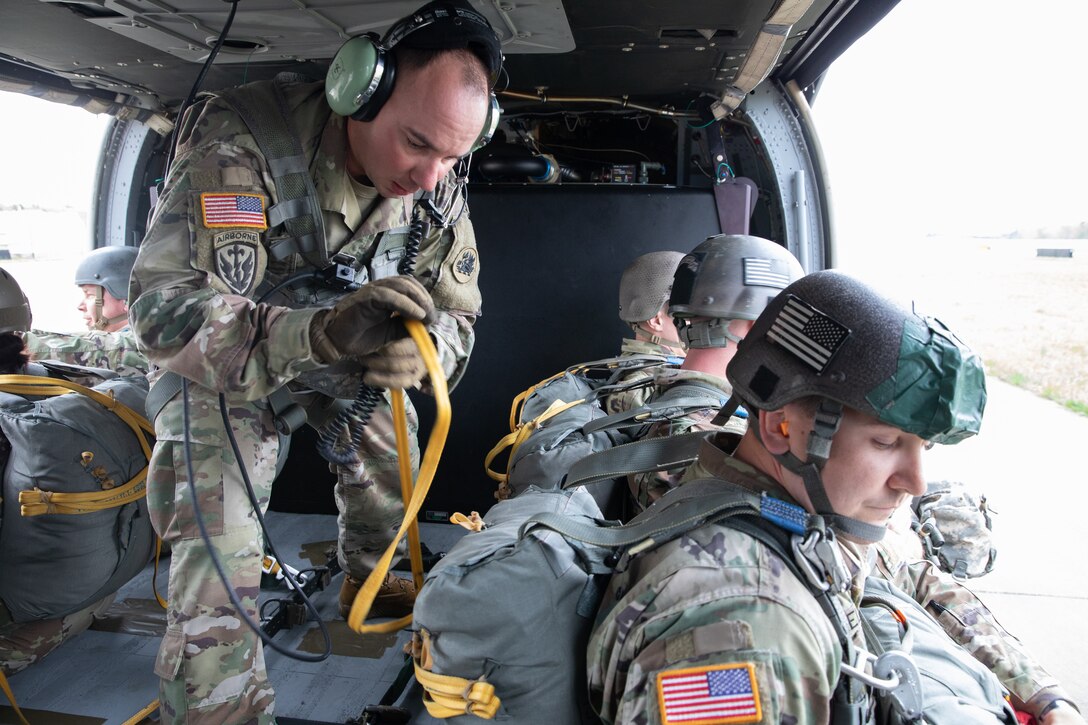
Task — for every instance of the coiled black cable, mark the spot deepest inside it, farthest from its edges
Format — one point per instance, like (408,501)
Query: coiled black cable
(354,418)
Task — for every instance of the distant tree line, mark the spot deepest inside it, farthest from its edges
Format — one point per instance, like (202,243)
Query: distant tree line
(1071,231)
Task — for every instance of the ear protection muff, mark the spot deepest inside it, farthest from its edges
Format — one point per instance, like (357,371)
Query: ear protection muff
(361,76)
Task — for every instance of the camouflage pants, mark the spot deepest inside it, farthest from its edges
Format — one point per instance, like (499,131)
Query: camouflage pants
(210,663)
(368,495)
(24,643)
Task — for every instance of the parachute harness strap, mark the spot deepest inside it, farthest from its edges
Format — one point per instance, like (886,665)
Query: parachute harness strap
(369,591)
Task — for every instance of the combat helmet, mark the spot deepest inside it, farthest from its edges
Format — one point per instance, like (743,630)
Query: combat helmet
(109,268)
(14,307)
(645,285)
(727,277)
(831,337)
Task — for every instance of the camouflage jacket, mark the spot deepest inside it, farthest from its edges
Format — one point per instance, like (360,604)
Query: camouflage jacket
(720,607)
(636,396)
(201,268)
(114,351)
(648,487)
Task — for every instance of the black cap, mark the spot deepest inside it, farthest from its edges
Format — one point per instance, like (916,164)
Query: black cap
(445,25)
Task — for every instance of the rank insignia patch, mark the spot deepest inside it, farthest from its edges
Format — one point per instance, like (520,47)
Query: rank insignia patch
(233,210)
(465,266)
(236,259)
(714,695)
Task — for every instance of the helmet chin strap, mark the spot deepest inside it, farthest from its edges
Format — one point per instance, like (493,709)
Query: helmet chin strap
(706,333)
(99,322)
(824,426)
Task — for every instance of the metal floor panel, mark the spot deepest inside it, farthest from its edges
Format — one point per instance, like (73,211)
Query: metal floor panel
(106,676)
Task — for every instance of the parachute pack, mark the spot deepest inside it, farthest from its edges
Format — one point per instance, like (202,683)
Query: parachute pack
(74,524)
(503,620)
(956,529)
(561,420)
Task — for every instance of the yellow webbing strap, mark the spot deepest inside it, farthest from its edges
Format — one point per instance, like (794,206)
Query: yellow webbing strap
(36,502)
(404,461)
(447,696)
(139,717)
(365,598)
(514,439)
(11,698)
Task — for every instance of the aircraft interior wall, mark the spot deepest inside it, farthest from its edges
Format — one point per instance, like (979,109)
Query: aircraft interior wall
(551,259)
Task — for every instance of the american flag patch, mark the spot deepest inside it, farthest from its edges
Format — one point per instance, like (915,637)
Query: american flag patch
(709,695)
(233,210)
(766,272)
(810,335)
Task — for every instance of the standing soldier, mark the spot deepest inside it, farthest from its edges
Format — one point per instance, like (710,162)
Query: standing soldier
(285,198)
(109,343)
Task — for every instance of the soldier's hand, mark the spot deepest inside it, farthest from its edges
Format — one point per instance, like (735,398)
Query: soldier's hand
(396,366)
(362,322)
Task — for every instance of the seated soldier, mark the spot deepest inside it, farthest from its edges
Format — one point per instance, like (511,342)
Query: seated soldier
(718,291)
(25,639)
(644,293)
(846,391)
(102,277)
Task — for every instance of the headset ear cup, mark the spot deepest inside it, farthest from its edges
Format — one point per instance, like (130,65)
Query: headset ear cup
(491,124)
(359,79)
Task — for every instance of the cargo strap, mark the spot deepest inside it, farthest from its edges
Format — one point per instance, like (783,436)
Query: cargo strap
(11,698)
(36,502)
(413,496)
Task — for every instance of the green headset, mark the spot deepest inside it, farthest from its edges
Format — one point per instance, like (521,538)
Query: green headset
(362,74)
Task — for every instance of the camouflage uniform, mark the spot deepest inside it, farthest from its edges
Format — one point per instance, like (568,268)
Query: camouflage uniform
(23,644)
(648,487)
(115,351)
(717,600)
(633,398)
(193,313)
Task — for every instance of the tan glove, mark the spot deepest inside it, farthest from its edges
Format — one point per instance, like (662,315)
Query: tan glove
(362,322)
(396,366)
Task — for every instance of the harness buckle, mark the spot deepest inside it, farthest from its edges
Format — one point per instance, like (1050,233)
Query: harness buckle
(804,553)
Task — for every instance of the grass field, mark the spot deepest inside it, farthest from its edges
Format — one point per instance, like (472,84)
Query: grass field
(1027,315)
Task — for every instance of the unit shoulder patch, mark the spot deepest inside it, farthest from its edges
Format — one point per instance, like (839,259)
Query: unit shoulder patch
(220,211)
(236,258)
(465,265)
(713,695)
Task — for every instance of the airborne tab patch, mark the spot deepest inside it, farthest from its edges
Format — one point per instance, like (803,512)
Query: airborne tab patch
(714,695)
(236,259)
(233,210)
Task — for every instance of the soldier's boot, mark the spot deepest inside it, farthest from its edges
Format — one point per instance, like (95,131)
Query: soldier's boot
(396,596)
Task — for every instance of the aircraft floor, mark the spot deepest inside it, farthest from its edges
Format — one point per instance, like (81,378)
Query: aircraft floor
(104,677)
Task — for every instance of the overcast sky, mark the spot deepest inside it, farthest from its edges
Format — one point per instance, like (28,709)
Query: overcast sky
(951,116)
(960,117)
